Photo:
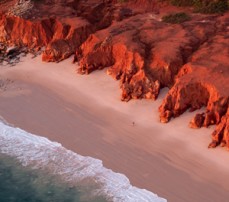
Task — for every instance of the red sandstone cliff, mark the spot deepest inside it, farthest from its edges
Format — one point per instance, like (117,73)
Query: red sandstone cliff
(211,90)
(144,53)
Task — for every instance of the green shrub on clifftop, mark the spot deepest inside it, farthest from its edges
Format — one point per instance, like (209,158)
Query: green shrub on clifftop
(204,6)
(218,6)
(176,18)
(182,2)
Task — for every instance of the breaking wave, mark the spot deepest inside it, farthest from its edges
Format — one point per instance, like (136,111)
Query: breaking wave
(40,153)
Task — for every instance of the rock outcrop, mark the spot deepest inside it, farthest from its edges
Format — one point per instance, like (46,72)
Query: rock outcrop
(139,49)
(142,52)
(203,81)
(60,39)
(60,34)
(145,55)
(221,134)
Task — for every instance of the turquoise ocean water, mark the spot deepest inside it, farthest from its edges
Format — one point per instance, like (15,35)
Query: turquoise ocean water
(35,169)
(21,184)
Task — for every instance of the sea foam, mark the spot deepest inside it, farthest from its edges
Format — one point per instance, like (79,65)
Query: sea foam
(40,153)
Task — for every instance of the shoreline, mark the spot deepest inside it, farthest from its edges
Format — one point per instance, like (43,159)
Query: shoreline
(101,126)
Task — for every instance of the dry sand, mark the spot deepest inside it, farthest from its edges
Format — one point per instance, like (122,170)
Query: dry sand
(85,114)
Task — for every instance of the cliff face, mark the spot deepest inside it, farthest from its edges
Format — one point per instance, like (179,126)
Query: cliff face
(18,31)
(221,134)
(203,81)
(139,49)
(142,52)
(61,34)
(60,39)
(211,90)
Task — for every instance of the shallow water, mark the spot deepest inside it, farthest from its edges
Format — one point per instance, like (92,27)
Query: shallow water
(21,184)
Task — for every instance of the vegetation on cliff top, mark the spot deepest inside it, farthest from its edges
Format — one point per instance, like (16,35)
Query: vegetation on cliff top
(176,18)
(204,6)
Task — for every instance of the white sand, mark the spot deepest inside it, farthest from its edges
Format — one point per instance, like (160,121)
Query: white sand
(85,114)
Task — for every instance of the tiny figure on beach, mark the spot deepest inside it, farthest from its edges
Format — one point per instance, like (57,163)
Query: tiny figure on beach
(133,123)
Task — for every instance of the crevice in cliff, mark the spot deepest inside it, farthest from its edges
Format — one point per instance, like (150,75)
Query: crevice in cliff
(221,134)
(181,98)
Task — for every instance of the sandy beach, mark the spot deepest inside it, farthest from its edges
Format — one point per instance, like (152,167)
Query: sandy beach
(85,114)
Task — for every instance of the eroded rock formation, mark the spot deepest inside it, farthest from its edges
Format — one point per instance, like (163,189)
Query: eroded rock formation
(139,49)
(221,134)
(203,81)
(55,25)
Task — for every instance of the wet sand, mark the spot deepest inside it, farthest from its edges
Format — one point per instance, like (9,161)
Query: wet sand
(85,114)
